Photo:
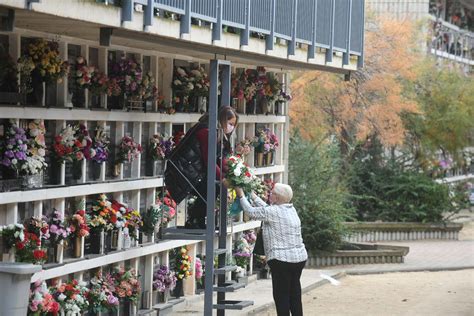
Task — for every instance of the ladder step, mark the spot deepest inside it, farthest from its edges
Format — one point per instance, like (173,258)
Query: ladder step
(176,233)
(225,269)
(220,251)
(228,287)
(235,305)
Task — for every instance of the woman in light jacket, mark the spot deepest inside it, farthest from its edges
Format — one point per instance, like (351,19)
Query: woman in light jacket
(284,247)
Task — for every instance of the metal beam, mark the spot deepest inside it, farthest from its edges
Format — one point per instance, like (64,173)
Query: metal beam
(360,59)
(294,20)
(211,187)
(30,2)
(185,26)
(329,50)
(314,19)
(127,10)
(245,33)
(217,29)
(346,54)
(271,38)
(148,14)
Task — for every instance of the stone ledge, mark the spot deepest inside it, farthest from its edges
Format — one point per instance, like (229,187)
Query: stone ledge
(366,254)
(394,231)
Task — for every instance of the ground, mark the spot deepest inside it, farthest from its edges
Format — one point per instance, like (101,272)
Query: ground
(411,293)
(408,293)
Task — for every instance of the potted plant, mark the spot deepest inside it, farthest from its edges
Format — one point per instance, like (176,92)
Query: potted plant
(183,269)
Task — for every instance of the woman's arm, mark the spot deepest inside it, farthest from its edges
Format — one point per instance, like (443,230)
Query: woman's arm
(257,200)
(260,213)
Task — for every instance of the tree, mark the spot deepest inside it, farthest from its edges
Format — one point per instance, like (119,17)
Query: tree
(371,103)
(445,123)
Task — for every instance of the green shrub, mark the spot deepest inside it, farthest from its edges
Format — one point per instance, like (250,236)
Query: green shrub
(319,193)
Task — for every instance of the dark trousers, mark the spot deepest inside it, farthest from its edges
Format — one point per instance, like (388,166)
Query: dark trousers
(287,287)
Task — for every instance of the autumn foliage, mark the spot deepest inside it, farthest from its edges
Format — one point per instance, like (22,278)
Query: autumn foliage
(371,103)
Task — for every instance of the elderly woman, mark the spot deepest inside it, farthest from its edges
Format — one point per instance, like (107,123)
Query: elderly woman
(284,248)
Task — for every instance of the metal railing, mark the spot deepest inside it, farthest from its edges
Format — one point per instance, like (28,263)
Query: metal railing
(334,25)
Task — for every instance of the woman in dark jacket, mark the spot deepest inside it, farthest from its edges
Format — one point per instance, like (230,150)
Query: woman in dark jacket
(186,173)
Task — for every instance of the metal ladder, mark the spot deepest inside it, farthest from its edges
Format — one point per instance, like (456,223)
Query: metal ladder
(222,287)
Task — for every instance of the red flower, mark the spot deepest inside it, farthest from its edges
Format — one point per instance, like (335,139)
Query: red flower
(20,245)
(39,254)
(247,174)
(54,307)
(81,212)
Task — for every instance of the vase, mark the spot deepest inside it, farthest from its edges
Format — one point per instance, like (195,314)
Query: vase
(37,84)
(259,162)
(78,247)
(55,253)
(78,98)
(96,169)
(32,181)
(251,106)
(263,105)
(178,290)
(95,244)
(241,105)
(126,307)
(269,158)
(154,168)
(160,297)
(279,107)
(76,170)
(201,104)
(113,240)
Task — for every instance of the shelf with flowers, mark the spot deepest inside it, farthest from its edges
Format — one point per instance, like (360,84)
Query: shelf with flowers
(242,253)
(127,288)
(102,220)
(41,63)
(22,156)
(266,143)
(100,152)
(164,281)
(101,296)
(159,148)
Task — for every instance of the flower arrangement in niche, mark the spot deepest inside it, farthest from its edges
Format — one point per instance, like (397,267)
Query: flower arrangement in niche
(58,229)
(126,284)
(198,270)
(147,89)
(183,263)
(242,252)
(73,144)
(128,75)
(72,297)
(167,208)
(163,279)
(102,214)
(12,234)
(160,147)
(14,149)
(82,74)
(152,220)
(133,221)
(99,83)
(244,147)
(29,249)
(78,224)
(101,297)
(41,302)
(100,145)
(45,57)
(37,147)
(266,141)
(198,77)
(38,226)
(128,150)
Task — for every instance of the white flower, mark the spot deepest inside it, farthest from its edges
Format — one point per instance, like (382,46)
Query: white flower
(181,71)
(177,82)
(237,172)
(61,297)
(41,152)
(11,226)
(34,132)
(190,86)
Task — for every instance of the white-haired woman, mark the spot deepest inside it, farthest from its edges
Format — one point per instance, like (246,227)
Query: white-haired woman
(284,247)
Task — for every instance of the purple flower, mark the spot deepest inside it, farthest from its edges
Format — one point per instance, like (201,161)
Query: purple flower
(9,154)
(20,155)
(112,300)
(53,229)
(6,162)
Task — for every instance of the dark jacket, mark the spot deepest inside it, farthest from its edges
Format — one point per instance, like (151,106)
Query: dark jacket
(184,168)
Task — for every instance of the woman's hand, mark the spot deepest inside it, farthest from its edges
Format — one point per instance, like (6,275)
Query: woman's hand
(239,192)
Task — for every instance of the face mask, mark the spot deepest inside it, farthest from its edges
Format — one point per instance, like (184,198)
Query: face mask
(229,129)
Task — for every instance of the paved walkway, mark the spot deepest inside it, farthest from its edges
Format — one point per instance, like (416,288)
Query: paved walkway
(426,255)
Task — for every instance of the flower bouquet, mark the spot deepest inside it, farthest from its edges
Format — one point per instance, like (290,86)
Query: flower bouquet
(29,249)
(72,297)
(198,273)
(126,284)
(14,150)
(182,86)
(81,79)
(79,228)
(244,147)
(101,297)
(41,302)
(103,216)
(163,279)
(129,150)
(239,174)
(160,147)
(242,251)
(183,263)
(133,221)
(99,83)
(198,77)
(167,208)
(36,163)
(101,148)
(10,236)
(58,230)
